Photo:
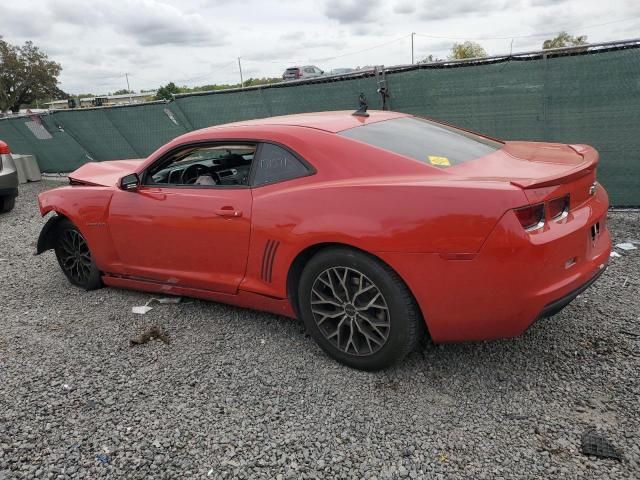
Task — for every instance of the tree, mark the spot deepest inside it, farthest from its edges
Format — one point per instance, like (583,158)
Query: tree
(430,59)
(261,81)
(124,91)
(467,50)
(564,40)
(26,74)
(167,92)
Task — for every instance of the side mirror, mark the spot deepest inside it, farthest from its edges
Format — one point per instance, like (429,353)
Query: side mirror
(130,182)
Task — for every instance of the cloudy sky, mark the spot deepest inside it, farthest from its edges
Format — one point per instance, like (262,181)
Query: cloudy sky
(195,42)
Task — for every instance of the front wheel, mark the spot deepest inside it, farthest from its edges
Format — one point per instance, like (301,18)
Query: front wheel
(75,258)
(358,309)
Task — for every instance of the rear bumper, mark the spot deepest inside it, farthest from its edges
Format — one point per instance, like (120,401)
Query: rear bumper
(557,305)
(8,181)
(8,177)
(513,280)
(8,191)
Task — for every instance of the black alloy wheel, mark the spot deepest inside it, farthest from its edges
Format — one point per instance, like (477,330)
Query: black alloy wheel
(358,309)
(74,257)
(350,311)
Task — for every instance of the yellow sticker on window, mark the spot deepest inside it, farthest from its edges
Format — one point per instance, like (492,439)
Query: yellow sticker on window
(440,161)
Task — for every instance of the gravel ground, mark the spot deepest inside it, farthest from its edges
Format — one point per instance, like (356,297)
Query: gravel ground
(242,394)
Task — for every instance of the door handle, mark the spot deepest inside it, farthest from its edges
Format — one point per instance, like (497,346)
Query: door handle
(154,194)
(229,212)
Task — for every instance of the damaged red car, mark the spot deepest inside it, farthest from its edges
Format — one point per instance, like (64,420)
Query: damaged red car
(370,229)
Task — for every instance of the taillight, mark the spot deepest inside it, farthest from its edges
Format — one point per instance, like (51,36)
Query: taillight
(531,217)
(4,150)
(558,207)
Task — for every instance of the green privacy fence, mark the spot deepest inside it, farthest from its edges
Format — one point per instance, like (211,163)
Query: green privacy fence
(584,95)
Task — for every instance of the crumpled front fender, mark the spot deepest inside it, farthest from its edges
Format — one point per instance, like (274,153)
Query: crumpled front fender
(46,240)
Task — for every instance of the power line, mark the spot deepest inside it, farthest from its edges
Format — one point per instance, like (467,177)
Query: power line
(522,36)
(218,70)
(326,59)
(192,79)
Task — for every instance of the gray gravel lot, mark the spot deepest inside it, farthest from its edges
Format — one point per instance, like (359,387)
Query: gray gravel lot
(242,394)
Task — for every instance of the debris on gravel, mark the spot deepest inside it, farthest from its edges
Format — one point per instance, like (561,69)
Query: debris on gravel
(596,444)
(151,333)
(244,394)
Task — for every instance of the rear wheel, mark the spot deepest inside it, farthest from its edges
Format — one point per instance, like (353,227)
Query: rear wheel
(7,204)
(75,258)
(358,309)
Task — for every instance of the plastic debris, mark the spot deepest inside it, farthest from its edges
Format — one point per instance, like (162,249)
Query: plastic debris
(626,246)
(142,309)
(630,333)
(210,472)
(596,444)
(168,299)
(103,458)
(153,332)
(614,254)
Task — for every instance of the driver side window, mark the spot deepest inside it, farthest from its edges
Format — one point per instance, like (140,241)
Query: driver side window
(220,165)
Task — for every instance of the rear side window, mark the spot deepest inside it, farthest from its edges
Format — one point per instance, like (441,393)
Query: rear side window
(275,164)
(429,142)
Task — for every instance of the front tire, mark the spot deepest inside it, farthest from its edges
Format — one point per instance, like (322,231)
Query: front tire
(74,257)
(358,309)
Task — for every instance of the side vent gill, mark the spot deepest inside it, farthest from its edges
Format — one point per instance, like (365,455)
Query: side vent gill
(268,257)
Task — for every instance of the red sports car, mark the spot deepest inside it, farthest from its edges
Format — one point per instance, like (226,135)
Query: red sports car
(368,228)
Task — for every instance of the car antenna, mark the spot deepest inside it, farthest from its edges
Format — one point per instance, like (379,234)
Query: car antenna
(362,111)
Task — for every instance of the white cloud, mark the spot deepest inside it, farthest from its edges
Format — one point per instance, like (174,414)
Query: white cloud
(351,11)
(195,42)
(405,7)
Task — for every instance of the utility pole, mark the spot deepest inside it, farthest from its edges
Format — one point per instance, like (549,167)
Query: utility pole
(240,67)
(412,35)
(128,88)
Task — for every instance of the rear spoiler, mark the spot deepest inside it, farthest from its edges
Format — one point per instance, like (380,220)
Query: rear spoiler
(590,157)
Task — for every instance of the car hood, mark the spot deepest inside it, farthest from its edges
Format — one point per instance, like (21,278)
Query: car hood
(105,173)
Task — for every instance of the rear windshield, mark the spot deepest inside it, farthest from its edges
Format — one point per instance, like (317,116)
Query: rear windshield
(292,70)
(423,140)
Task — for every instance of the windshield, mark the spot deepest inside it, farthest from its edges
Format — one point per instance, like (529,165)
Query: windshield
(429,142)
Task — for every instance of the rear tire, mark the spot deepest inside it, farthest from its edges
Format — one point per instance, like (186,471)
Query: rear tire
(74,257)
(7,204)
(358,309)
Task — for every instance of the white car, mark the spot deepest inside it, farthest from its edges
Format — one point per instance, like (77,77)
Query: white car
(302,72)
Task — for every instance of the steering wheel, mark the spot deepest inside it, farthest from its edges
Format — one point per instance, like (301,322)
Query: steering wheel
(192,172)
